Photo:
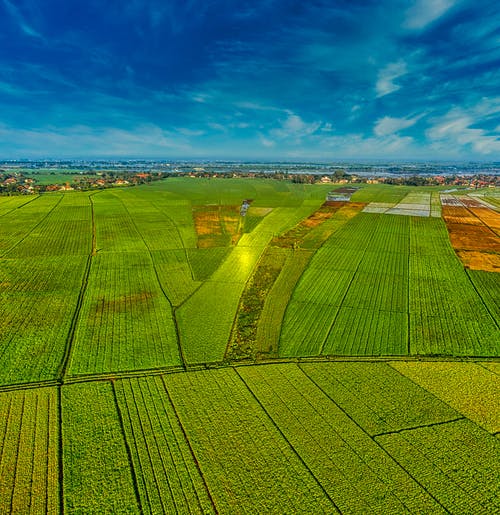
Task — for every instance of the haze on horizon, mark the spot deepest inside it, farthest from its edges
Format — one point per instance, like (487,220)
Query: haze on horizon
(261,80)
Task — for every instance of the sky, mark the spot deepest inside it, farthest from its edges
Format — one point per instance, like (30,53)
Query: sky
(299,80)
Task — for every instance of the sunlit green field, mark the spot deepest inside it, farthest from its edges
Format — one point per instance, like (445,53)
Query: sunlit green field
(159,352)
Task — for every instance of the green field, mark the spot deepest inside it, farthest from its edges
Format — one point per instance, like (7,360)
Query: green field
(159,353)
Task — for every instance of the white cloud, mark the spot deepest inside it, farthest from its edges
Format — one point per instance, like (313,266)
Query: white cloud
(266,142)
(389,125)
(458,128)
(294,127)
(424,12)
(387,76)
(78,140)
(190,132)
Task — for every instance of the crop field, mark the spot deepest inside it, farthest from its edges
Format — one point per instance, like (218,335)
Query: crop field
(162,351)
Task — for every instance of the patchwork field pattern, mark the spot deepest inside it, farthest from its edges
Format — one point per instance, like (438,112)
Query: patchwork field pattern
(161,353)
(474,232)
(328,437)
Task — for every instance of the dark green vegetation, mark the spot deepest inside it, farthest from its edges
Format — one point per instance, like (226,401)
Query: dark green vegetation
(144,335)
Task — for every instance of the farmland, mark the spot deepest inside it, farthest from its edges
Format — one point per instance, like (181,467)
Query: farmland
(160,352)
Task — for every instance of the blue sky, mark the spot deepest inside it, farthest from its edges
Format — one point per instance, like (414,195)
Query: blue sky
(253,79)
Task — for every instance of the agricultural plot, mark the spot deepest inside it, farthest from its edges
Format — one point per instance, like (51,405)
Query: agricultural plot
(96,469)
(114,226)
(157,230)
(175,274)
(487,284)
(471,389)
(311,233)
(340,308)
(125,322)
(474,232)
(377,397)
(117,393)
(65,230)
(355,473)
(9,204)
(36,311)
(414,204)
(180,212)
(19,222)
(447,315)
(29,466)
(247,464)
(217,225)
(204,262)
(213,307)
(456,462)
(167,476)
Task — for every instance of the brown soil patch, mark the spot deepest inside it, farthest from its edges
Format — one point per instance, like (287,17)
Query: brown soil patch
(489,217)
(480,260)
(123,303)
(216,225)
(473,236)
(456,214)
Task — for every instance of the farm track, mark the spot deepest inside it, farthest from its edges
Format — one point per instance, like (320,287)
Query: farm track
(162,371)
(33,228)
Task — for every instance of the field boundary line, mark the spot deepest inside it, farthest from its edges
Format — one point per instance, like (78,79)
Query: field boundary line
(432,424)
(375,442)
(61,372)
(176,369)
(273,422)
(160,285)
(60,449)
(127,447)
(481,220)
(188,443)
(481,297)
(33,228)
(21,206)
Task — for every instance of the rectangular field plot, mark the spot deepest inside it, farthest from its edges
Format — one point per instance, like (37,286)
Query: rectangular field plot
(355,473)
(66,230)
(158,230)
(247,464)
(168,478)
(353,297)
(18,223)
(115,228)
(456,462)
(125,322)
(29,467)
(37,305)
(97,472)
(367,332)
(377,397)
(471,389)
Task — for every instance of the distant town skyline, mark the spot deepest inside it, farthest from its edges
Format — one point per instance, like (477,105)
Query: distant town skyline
(253,80)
